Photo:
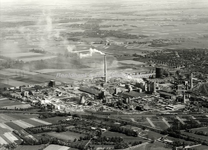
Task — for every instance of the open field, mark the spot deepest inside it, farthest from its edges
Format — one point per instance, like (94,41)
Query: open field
(22,124)
(12,82)
(27,57)
(54,119)
(14,126)
(20,55)
(66,135)
(26,147)
(7,103)
(19,71)
(10,122)
(56,147)
(21,106)
(160,125)
(131,62)
(5,118)
(4,128)
(21,116)
(32,122)
(36,58)
(155,146)
(11,137)
(2,141)
(40,121)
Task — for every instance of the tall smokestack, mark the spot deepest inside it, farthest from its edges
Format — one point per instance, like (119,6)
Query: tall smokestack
(105,69)
(191,81)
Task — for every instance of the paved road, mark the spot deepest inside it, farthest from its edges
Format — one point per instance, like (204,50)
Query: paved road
(177,117)
(166,122)
(150,122)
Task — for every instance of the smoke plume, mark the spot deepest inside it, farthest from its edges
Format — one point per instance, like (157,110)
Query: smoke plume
(81,55)
(90,53)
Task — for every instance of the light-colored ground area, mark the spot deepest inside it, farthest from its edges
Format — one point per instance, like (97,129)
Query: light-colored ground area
(179,119)
(10,137)
(36,58)
(166,122)
(129,62)
(41,121)
(56,147)
(19,55)
(2,141)
(65,135)
(18,106)
(1,99)
(22,124)
(28,147)
(154,146)
(150,122)
(4,126)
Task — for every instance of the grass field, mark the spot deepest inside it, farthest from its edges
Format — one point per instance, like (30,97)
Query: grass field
(40,121)
(21,116)
(19,55)
(28,147)
(131,62)
(160,125)
(10,137)
(4,128)
(36,58)
(66,135)
(35,123)
(54,119)
(21,106)
(10,122)
(5,103)
(56,147)
(12,117)
(5,118)
(155,146)
(22,124)
(13,126)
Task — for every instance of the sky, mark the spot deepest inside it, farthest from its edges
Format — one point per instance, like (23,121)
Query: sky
(156,3)
(41,2)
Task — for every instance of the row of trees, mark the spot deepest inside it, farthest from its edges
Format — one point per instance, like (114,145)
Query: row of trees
(198,132)
(128,132)
(107,140)
(179,135)
(51,115)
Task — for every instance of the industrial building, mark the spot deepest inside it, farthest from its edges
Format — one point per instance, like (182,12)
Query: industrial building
(167,95)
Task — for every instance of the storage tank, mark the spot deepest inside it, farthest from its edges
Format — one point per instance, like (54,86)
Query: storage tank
(159,72)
